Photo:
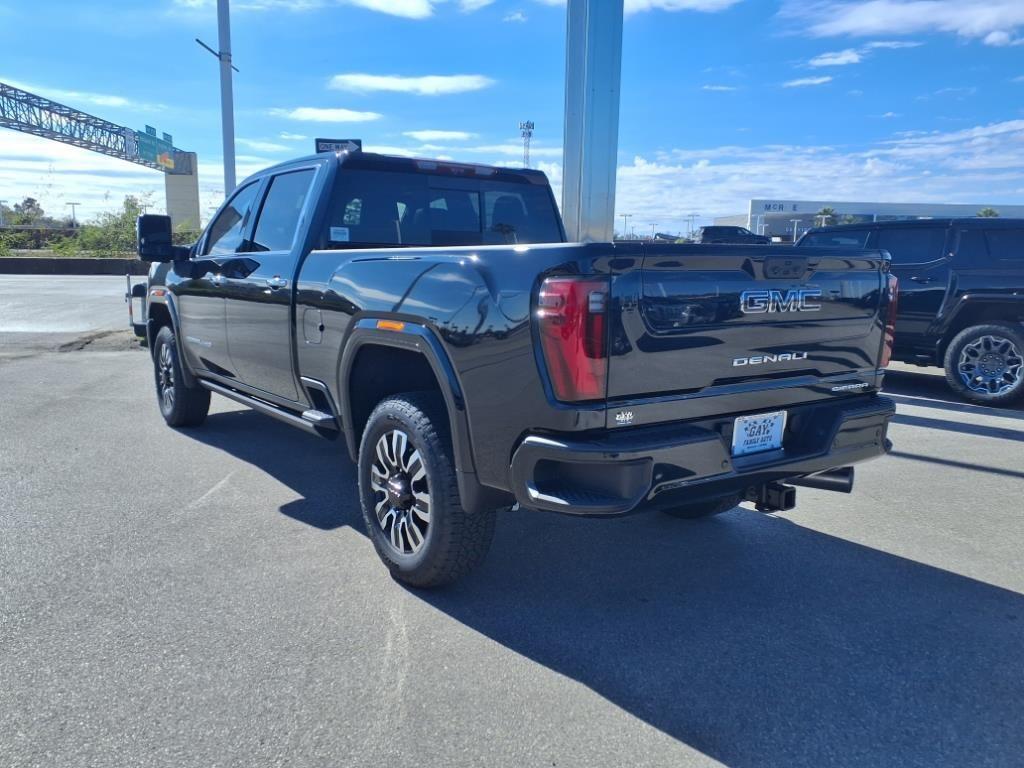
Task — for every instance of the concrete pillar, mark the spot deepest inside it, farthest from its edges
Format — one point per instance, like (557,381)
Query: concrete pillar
(593,68)
(182,190)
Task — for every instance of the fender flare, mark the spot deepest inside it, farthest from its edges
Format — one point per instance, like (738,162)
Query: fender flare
(415,337)
(168,301)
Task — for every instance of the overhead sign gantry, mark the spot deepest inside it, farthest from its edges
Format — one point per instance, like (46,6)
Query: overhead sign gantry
(39,116)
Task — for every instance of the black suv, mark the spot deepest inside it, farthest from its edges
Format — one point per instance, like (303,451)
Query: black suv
(961,303)
(734,235)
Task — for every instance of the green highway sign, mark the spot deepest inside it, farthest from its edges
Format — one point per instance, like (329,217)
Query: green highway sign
(154,149)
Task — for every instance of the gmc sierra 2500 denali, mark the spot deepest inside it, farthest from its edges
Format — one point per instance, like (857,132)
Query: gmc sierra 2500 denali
(432,316)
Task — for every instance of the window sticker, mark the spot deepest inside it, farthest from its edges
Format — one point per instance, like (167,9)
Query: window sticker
(339,234)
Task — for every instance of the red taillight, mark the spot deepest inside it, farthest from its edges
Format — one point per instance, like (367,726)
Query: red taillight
(890,318)
(571,315)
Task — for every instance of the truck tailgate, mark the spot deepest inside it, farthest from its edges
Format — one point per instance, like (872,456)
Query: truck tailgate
(703,320)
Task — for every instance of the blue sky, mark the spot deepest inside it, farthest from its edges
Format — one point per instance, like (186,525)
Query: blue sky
(722,100)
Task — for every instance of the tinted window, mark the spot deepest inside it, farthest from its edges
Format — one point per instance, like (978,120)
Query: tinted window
(518,214)
(279,217)
(381,208)
(847,238)
(912,245)
(1005,243)
(227,230)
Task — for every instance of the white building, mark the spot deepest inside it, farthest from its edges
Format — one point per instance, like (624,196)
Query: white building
(780,217)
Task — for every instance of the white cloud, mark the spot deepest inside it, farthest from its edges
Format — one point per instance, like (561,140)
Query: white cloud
(803,82)
(706,6)
(473,5)
(994,22)
(719,88)
(636,6)
(428,135)
(325,115)
(836,58)
(515,16)
(289,136)
(409,9)
(979,164)
(893,45)
(259,145)
(424,85)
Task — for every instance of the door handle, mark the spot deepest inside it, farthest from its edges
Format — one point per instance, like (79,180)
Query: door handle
(921,280)
(276,282)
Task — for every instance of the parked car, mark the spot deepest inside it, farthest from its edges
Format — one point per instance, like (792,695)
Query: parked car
(431,316)
(734,235)
(961,302)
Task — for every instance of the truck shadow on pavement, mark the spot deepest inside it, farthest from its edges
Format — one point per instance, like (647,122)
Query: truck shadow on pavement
(752,639)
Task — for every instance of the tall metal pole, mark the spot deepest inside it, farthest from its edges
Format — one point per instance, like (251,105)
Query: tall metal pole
(593,71)
(794,222)
(227,104)
(2,212)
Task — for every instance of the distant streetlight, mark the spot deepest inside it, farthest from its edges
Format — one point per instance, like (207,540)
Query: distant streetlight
(227,105)
(625,224)
(795,222)
(74,221)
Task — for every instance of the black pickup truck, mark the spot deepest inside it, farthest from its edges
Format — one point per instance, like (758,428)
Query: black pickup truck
(431,315)
(961,300)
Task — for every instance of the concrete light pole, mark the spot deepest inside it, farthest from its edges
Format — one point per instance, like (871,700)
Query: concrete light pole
(625,224)
(593,70)
(794,222)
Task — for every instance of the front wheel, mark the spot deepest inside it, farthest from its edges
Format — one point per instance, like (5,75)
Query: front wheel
(410,498)
(180,405)
(985,364)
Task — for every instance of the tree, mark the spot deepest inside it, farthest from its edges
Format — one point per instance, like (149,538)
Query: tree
(826,215)
(988,213)
(110,234)
(28,211)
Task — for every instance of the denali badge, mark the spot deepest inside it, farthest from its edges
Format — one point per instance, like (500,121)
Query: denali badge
(622,418)
(798,300)
(782,357)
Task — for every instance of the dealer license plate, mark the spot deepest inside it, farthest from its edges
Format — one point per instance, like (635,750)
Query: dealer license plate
(753,434)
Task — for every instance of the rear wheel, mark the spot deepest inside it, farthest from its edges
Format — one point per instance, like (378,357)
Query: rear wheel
(705,508)
(410,498)
(180,405)
(985,364)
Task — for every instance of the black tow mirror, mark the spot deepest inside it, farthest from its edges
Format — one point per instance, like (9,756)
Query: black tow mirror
(155,241)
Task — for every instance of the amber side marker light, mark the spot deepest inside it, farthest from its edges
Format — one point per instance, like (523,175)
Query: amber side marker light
(390,325)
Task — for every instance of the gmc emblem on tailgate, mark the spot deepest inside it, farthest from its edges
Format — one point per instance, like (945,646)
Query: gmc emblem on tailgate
(798,300)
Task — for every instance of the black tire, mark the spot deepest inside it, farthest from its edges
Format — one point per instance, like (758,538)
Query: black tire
(180,405)
(707,508)
(984,364)
(422,551)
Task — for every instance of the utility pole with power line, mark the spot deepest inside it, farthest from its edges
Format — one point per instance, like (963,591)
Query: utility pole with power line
(2,212)
(74,221)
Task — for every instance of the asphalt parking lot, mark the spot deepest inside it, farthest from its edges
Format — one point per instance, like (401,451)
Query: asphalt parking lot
(207,597)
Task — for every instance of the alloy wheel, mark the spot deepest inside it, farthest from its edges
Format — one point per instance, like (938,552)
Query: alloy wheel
(991,365)
(401,494)
(165,377)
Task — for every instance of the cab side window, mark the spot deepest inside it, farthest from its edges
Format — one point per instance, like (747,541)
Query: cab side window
(1006,244)
(227,232)
(912,245)
(282,207)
